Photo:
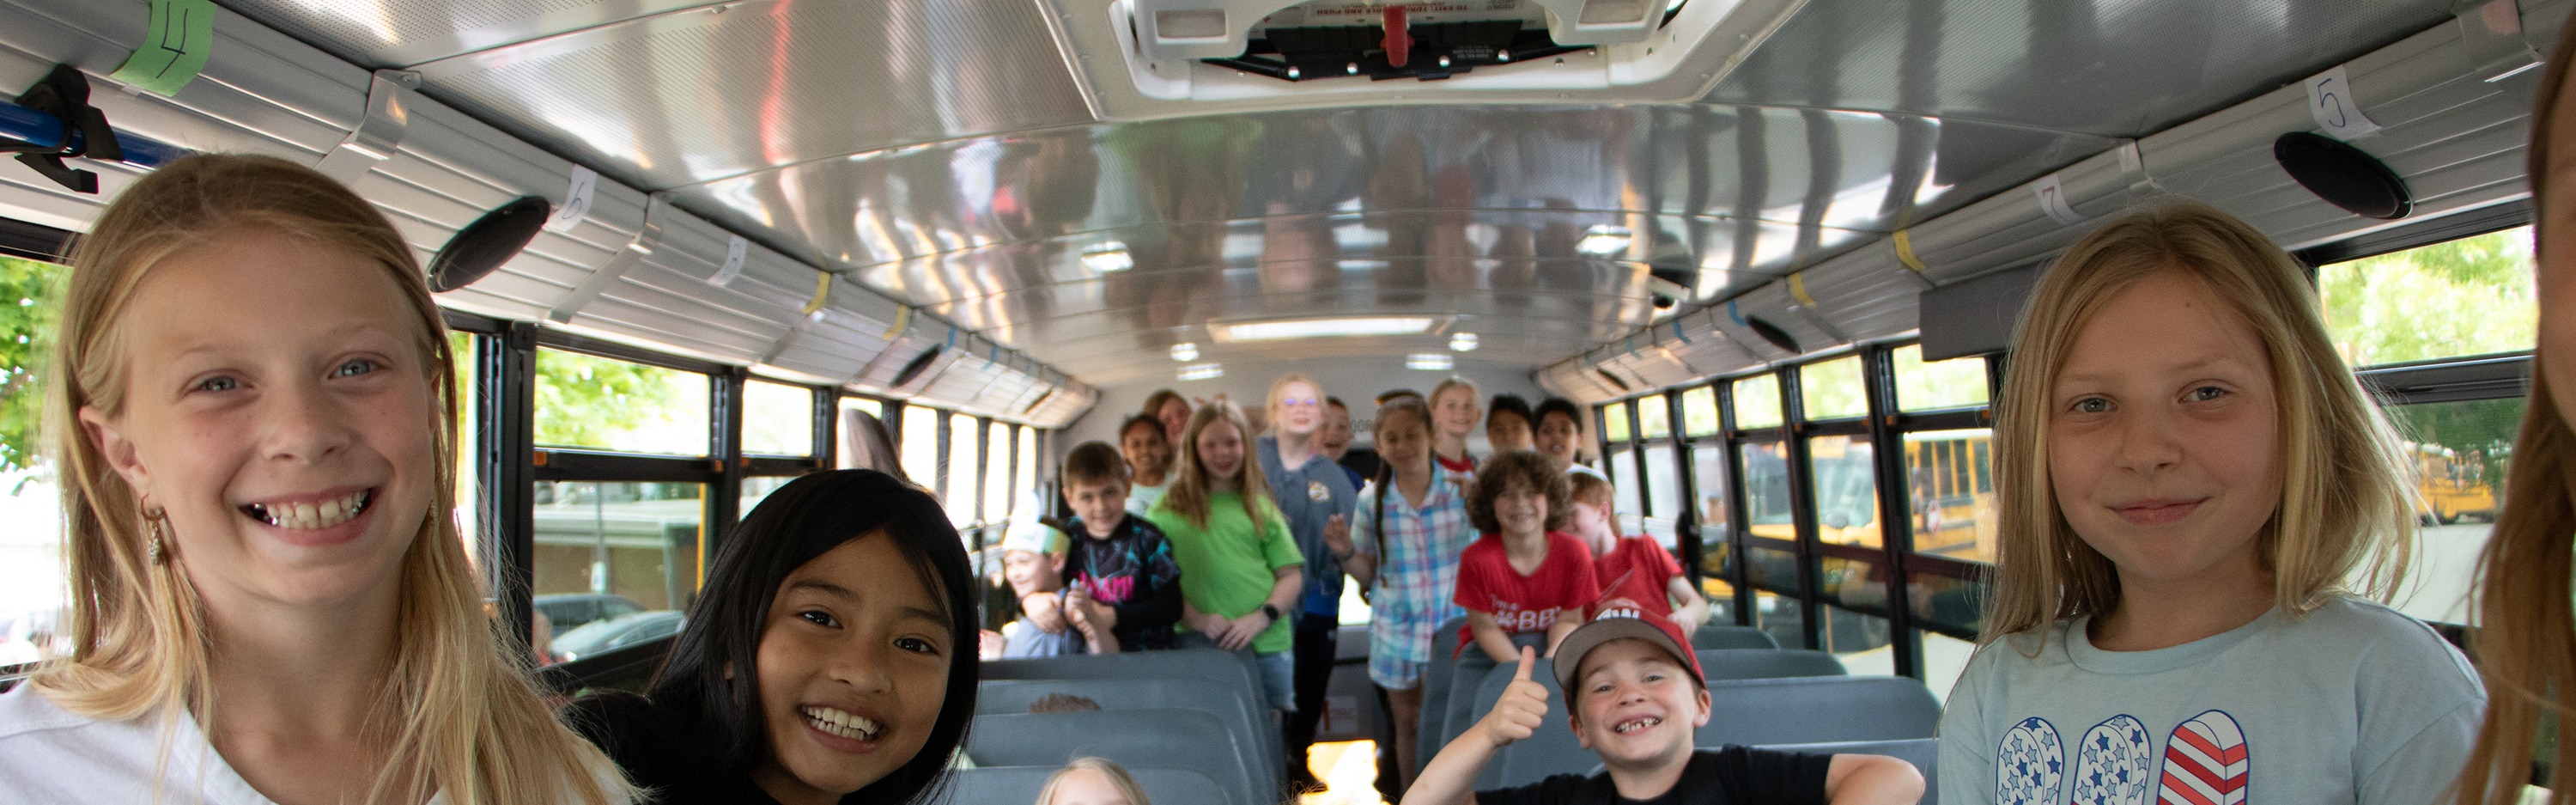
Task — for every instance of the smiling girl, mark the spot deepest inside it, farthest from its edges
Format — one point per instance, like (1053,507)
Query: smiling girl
(1240,568)
(1412,528)
(2187,474)
(249,407)
(829,659)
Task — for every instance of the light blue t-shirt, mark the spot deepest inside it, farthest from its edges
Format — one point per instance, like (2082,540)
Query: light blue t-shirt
(1141,498)
(2353,703)
(1310,496)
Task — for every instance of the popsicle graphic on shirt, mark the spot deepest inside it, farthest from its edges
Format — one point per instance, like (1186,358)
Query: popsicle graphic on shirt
(2115,764)
(2028,764)
(2206,762)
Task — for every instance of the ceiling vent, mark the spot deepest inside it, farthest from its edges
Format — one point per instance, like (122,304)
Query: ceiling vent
(1145,59)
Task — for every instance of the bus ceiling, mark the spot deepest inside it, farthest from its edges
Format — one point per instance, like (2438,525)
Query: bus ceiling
(1021,201)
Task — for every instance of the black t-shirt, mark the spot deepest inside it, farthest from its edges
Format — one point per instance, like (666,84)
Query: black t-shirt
(1730,776)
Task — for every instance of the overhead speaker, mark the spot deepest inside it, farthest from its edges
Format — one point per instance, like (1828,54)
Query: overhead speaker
(481,247)
(912,371)
(2344,176)
(1614,380)
(1772,333)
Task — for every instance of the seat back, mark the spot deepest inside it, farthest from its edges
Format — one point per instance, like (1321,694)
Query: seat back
(1716,637)
(1436,682)
(1473,669)
(1018,784)
(1171,738)
(1924,753)
(1756,712)
(1246,712)
(1767,663)
(1550,749)
(1225,667)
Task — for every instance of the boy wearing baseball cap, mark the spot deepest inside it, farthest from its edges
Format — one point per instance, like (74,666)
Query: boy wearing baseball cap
(1636,695)
(1033,562)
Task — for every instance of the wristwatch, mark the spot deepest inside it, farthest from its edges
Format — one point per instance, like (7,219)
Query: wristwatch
(1270,609)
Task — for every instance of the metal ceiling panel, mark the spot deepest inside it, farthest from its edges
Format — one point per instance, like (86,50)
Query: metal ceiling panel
(673,99)
(2111,69)
(381,34)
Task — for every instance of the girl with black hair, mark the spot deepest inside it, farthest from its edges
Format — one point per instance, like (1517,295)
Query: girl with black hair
(829,659)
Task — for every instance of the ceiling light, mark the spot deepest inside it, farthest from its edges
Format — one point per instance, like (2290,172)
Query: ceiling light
(1604,241)
(1283,329)
(1463,342)
(1203,371)
(1185,352)
(1106,258)
(1429,361)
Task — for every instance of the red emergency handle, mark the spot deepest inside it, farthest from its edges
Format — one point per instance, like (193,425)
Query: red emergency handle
(1399,39)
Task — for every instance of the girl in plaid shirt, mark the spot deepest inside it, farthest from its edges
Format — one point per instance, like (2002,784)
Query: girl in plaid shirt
(1415,536)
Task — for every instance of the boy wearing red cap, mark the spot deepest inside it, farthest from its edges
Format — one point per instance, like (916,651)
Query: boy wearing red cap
(1637,695)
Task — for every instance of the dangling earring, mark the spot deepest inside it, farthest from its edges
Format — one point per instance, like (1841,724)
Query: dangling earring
(156,528)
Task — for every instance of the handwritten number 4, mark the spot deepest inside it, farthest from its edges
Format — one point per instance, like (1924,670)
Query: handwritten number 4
(179,31)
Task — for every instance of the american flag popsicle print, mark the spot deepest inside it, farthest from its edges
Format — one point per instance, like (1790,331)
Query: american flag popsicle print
(2206,762)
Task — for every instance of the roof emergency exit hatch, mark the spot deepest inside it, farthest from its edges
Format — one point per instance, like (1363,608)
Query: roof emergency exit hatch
(1144,59)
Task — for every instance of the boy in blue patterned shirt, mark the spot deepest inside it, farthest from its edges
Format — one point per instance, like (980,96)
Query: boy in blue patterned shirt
(1123,588)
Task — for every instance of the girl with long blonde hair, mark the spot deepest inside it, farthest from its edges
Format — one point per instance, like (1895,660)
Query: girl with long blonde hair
(2186,475)
(1240,568)
(249,407)
(2526,618)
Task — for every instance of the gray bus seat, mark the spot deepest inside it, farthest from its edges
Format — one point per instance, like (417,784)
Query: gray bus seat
(1713,636)
(1767,663)
(1757,712)
(1436,676)
(1021,784)
(1244,710)
(1924,753)
(1188,739)
(1225,667)
(1473,667)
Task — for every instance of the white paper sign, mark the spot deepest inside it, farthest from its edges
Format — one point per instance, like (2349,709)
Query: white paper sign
(2338,112)
(576,203)
(2052,200)
(735,251)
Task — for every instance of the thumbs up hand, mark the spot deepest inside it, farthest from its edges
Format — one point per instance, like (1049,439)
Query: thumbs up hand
(1521,709)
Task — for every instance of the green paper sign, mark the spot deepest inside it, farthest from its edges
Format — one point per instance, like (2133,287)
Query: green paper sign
(174,50)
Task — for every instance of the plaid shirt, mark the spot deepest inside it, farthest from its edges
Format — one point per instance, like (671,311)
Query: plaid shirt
(1418,570)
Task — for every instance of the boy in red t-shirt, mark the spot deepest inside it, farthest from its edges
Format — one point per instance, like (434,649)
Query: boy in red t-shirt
(1525,575)
(1632,568)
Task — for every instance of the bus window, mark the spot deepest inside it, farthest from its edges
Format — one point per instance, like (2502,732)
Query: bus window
(1716,562)
(1623,479)
(874,408)
(997,471)
(2457,454)
(1757,402)
(1778,616)
(1944,658)
(1663,481)
(1954,383)
(460,346)
(617,546)
(921,445)
(756,489)
(586,401)
(1654,417)
(33,587)
(1950,493)
(1766,491)
(1832,389)
(1614,423)
(1708,475)
(1024,485)
(1952,609)
(2471,296)
(964,463)
(1773,569)
(777,419)
(1859,640)
(1699,412)
(1843,481)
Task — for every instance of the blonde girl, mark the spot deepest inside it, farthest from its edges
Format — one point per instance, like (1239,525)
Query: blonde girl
(249,406)
(1240,568)
(1092,781)
(1453,416)
(2526,623)
(2187,474)
(1412,528)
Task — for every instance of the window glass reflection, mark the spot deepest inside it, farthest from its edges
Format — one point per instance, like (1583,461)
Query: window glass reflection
(1950,489)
